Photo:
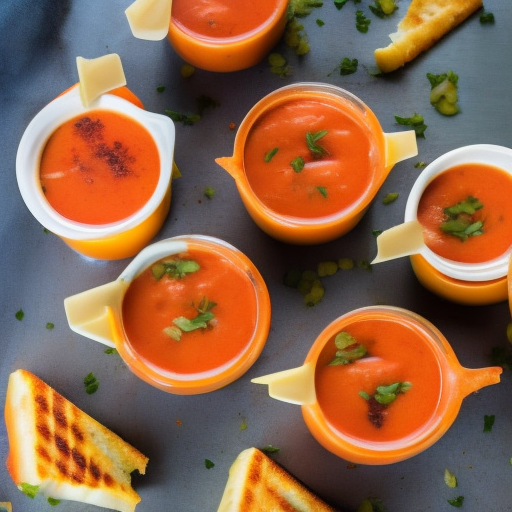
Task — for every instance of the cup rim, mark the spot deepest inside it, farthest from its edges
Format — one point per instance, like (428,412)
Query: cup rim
(490,154)
(46,121)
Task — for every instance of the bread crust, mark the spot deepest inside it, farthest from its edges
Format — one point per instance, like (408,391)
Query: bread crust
(425,22)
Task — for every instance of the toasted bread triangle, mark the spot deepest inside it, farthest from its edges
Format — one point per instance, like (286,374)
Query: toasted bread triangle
(257,484)
(64,452)
(425,22)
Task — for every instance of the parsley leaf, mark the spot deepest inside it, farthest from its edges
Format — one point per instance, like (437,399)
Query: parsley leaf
(91,383)
(29,489)
(311,140)
(456,502)
(297,164)
(19,315)
(488,422)
(174,269)
(208,464)
(362,22)
(486,17)
(383,8)
(348,66)
(444,92)
(390,198)
(416,121)
(270,154)
(186,119)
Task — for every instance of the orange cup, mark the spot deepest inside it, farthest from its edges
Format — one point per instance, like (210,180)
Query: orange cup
(228,53)
(452,384)
(386,150)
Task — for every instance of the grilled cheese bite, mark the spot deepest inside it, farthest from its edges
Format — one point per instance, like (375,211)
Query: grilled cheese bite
(425,22)
(257,484)
(65,453)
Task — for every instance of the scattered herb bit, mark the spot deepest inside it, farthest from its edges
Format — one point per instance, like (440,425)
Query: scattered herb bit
(486,17)
(208,464)
(381,399)
(311,140)
(416,122)
(348,66)
(295,37)
(364,265)
(383,8)
(160,88)
(349,350)
(307,283)
(315,294)
(390,198)
(209,192)
(278,64)
(91,383)
(376,232)
(320,22)
(297,164)
(53,502)
(243,425)
(362,22)
(460,221)
(28,489)
(327,268)
(371,505)
(50,325)
(174,269)
(322,191)
(173,332)
(488,422)
(302,8)
(186,119)
(340,3)
(201,321)
(270,154)
(450,479)
(444,92)
(346,263)
(203,102)
(46,231)
(419,165)
(456,502)
(270,449)
(187,70)
(111,350)
(19,315)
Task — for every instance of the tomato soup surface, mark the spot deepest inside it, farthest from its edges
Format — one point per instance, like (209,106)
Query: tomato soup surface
(99,168)
(151,305)
(492,186)
(310,157)
(213,19)
(396,353)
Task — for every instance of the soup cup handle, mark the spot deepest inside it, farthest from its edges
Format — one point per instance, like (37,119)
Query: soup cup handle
(87,312)
(400,146)
(231,165)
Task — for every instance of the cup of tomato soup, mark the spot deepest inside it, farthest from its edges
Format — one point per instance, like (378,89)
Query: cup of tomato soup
(222,35)
(462,201)
(379,385)
(189,314)
(98,177)
(308,160)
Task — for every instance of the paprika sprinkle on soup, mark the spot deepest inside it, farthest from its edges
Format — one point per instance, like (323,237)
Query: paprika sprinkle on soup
(99,168)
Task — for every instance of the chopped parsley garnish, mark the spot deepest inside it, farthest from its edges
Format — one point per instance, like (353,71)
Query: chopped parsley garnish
(52,501)
(19,315)
(327,268)
(270,154)
(420,164)
(208,464)
(200,321)
(488,422)
(456,502)
(376,232)
(91,383)
(187,70)
(50,325)
(340,3)
(297,164)
(320,22)
(347,66)
(362,22)
(322,191)
(311,140)
(444,92)
(174,269)
(486,17)
(203,102)
(278,64)
(186,119)
(302,8)
(111,350)
(383,397)
(450,479)
(349,350)
(416,122)
(209,192)
(270,449)
(390,198)
(160,88)
(243,425)
(296,38)
(383,8)
(29,489)
(460,221)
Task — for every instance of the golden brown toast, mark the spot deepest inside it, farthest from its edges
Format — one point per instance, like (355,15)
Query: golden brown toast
(64,452)
(425,22)
(257,484)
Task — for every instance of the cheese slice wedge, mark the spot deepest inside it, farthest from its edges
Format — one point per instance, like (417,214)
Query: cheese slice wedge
(99,76)
(149,19)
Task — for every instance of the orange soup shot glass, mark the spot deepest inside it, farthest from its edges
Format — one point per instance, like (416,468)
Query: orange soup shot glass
(379,385)
(308,160)
(99,177)
(458,225)
(189,314)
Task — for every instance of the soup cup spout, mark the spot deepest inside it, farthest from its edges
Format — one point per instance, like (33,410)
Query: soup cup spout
(470,380)
(400,146)
(295,386)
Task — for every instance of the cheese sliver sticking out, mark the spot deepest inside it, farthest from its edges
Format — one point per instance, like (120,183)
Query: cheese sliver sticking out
(149,19)
(98,76)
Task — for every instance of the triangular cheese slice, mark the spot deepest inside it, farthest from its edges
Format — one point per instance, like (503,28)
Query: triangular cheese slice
(149,19)
(63,453)
(425,22)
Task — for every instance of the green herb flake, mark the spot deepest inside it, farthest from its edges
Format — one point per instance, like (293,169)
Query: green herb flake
(278,65)
(295,37)
(486,17)
(371,505)
(416,121)
(111,350)
(201,321)
(204,102)
(315,295)
(376,232)
(19,315)
(488,422)
(327,268)
(450,479)
(243,425)
(348,66)
(383,8)
(187,70)
(91,383)
(340,3)
(29,490)
(456,502)
(419,165)
(303,8)
(160,88)
(53,502)
(174,268)
(270,449)
(322,191)
(186,119)
(270,154)
(460,221)
(390,198)
(444,92)
(348,349)
(312,139)
(364,265)
(320,22)
(208,464)
(362,22)
(346,263)
(50,325)
(209,192)
(297,164)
